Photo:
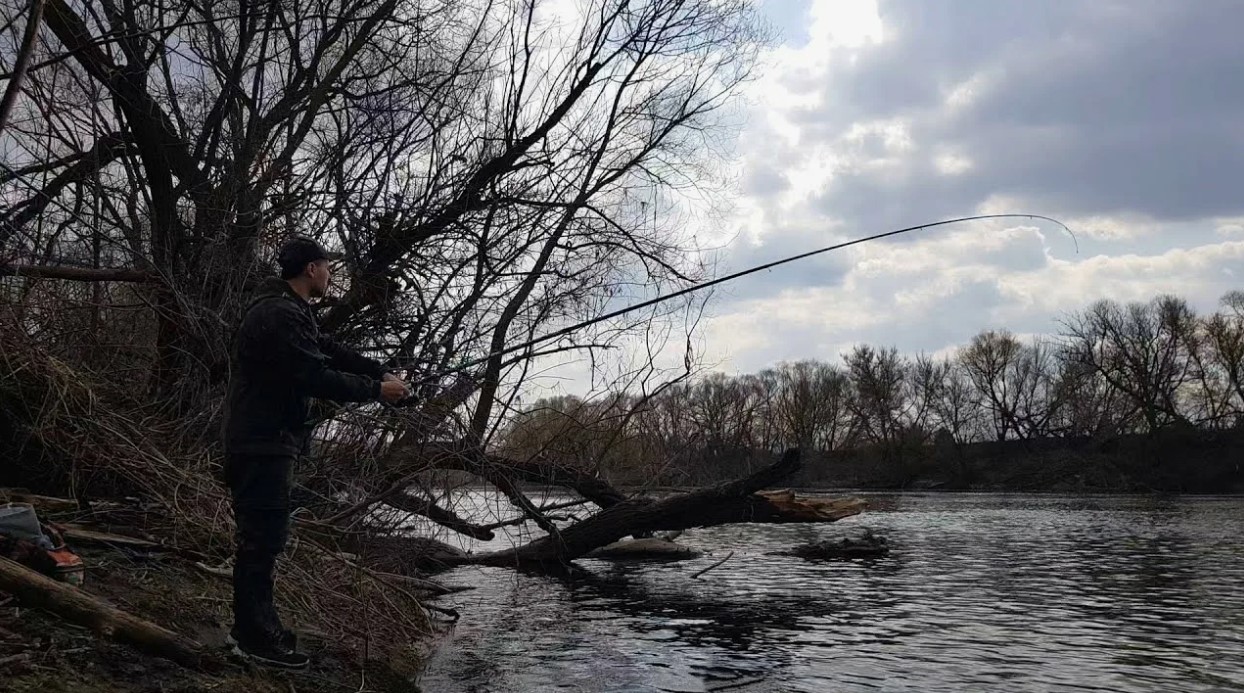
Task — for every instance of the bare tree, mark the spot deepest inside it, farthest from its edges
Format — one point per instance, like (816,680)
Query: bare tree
(490,170)
(878,396)
(1141,350)
(810,404)
(1220,361)
(485,171)
(992,362)
(955,406)
(1090,406)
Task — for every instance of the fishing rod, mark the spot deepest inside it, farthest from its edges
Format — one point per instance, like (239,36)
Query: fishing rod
(731,277)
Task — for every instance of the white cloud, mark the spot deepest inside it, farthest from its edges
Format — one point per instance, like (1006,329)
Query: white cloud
(1114,228)
(952,164)
(935,311)
(1230,227)
(845,23)
(1196,274)
(887,114)
(964,94)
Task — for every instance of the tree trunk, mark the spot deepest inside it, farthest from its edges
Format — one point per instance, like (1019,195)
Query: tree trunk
(734,502)
(78,607)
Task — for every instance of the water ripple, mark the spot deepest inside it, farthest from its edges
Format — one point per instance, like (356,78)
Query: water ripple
(981,592)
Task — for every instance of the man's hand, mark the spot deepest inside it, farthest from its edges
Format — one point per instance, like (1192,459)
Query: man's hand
(389,377)
(393,390)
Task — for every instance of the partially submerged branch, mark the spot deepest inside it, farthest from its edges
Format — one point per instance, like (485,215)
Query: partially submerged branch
(734,502)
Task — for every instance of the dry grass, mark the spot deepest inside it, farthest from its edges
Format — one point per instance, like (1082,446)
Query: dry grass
(74,433)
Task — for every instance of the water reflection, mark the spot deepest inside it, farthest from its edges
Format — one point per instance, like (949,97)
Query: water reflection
(1009,593)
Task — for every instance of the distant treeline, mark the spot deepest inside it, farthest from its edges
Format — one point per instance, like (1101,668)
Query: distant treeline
(1112,373)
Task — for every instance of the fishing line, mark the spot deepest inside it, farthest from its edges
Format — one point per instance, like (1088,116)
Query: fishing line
(731,277)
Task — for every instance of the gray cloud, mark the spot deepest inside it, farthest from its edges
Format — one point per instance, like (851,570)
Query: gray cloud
(1083,108)
(764,180)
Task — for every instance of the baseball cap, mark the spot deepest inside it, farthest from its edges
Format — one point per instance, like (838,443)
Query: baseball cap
(297,252)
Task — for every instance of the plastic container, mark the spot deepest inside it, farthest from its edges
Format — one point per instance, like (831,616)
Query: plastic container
(19,520)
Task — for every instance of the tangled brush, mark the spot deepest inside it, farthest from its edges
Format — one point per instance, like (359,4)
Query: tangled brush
(70,432)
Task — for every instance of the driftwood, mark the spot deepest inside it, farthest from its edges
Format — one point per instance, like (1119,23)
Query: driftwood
(15,659)
(78,607)
(646,548)
(225,573)
(79,534)
(735,502)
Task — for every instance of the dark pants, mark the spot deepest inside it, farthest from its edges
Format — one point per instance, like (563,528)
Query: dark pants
(260,486)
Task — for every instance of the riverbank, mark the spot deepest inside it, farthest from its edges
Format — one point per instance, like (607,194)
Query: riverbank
(1176,462)
(91,458)
(1171,462)
(42,653)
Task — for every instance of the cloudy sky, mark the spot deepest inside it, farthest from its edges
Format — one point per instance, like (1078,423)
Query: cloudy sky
(1124,119)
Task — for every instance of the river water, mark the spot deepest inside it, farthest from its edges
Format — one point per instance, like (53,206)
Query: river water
(979,593)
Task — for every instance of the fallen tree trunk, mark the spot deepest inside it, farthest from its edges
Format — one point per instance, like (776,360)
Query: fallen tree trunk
(76,606)
(735,502)
(740,501)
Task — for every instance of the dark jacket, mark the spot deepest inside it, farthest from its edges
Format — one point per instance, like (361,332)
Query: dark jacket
(281,361)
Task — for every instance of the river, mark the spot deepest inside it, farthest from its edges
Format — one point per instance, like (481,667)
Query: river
(980,592)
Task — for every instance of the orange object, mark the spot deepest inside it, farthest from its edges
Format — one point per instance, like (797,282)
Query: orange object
(69,566)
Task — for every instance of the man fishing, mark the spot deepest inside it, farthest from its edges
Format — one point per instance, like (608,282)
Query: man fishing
(279,362)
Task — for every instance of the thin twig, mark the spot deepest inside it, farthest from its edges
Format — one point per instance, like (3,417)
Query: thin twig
(697,575)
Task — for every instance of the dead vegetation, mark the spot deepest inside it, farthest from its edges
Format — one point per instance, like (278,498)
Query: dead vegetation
(134,488)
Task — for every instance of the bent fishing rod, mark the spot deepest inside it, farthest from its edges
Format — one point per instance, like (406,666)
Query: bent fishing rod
(471,363)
